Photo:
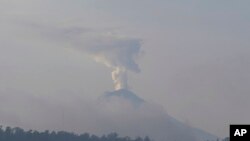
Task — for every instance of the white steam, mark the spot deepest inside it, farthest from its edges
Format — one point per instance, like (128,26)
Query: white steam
(119,76)
(117,53)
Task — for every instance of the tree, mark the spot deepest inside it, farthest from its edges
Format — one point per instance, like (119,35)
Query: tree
(18,134)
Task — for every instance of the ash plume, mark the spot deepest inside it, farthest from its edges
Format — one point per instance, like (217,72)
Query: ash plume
(114,51)
(117,53)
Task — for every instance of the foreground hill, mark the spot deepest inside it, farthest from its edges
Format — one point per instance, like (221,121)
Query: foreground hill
(18,134)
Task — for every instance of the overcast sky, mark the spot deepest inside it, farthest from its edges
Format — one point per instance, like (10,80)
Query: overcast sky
(195,58)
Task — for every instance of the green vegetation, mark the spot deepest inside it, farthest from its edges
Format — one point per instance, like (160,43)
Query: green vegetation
(18,134)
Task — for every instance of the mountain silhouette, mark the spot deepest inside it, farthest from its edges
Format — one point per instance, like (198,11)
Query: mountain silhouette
(126,95)
(152,120)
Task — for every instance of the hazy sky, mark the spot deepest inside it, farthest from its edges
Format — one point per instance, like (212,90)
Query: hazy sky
(195,58)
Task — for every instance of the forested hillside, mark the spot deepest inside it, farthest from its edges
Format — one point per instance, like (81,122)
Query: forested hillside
(18,134)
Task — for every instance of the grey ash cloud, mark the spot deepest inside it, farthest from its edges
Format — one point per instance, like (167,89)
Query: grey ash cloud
(113,50)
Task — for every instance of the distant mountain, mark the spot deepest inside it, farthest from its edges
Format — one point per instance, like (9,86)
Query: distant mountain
(125,94)
(200,135)
(153,121)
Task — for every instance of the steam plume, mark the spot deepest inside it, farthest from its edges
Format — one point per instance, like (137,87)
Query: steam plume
(119,76)
(117,53)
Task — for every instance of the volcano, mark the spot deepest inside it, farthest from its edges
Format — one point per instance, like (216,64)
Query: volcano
(145,118)
(126,95)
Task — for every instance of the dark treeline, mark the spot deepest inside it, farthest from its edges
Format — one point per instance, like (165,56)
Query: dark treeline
(18,134)
(226,139)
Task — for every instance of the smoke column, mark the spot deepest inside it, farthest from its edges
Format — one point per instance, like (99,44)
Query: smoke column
(117,53)
(119,76)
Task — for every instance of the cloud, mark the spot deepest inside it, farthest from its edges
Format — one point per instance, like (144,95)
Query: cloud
(117,53)
(114,51)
